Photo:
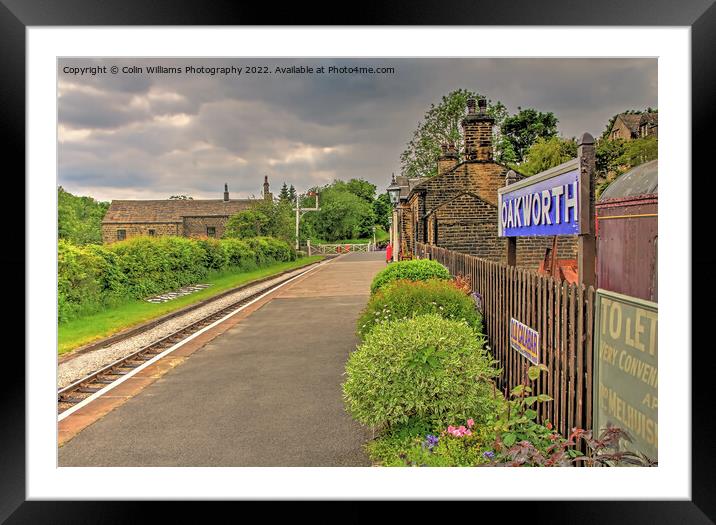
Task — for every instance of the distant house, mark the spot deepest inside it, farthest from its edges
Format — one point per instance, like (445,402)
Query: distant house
(186,218)
(630,126)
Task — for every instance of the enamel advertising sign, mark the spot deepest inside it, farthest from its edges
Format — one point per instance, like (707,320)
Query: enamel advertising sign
(525,340)
(626,369)
(544,204)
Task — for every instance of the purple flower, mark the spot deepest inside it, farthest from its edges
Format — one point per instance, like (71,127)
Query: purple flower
(430,441)
(489,454)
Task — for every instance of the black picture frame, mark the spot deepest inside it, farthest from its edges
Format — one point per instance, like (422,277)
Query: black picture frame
(700,15)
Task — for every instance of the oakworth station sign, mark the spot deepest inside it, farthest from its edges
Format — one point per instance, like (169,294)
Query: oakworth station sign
(544,204)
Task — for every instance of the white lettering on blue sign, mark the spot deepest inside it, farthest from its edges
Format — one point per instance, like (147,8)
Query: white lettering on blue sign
(548,207)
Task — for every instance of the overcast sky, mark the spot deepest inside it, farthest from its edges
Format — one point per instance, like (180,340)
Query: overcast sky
(143,136)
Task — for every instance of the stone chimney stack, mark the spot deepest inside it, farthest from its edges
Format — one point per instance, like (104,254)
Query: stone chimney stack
(477,128)
(448,158)
(226,192)
(267,193)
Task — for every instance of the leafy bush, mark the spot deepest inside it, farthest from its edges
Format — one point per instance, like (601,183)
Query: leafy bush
(415,270)
(403,299)
(94,276)
(425,367)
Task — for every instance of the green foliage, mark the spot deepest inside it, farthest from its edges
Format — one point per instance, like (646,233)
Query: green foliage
(93,277)
(247,223)
(615,157)
(346,212)
(79,219)
(518,420)
(414,270)
(284,195)
(426,367)
(263,219)
(522,130)
(404,299)
(547,153)
(382,210)
(441,124)
(639,151)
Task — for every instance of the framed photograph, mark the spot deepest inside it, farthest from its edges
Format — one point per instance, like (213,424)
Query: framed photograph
(255,253)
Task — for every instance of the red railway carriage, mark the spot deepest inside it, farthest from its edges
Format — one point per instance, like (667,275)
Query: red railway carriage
(627,233)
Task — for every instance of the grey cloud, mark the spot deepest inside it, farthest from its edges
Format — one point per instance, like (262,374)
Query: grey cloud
(158,135)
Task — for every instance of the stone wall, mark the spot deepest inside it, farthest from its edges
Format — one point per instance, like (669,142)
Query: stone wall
(196,226)
(109,231)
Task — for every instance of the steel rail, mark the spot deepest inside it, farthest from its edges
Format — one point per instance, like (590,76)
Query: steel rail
(99,379)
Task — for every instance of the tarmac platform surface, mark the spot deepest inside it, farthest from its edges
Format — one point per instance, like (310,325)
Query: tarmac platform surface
(266,392)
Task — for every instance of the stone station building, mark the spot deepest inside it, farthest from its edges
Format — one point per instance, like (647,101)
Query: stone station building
(457,208)
(186,218)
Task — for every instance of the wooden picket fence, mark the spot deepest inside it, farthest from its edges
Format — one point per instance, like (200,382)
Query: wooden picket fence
(562,313)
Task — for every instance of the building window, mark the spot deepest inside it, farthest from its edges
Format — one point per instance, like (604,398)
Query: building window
(152,233)
(121,235)
(210,231)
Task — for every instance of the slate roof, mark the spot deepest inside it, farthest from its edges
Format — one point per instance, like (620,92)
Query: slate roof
(171,210)
(631,121)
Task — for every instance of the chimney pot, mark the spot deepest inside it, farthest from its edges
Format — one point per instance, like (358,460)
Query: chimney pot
(482,103)
(471,105)
(226,192)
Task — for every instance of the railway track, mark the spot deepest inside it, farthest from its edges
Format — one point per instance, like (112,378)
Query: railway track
(77,392)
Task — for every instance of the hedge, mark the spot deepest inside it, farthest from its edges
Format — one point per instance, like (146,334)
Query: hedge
(404,299)
(92,277)
(413,270)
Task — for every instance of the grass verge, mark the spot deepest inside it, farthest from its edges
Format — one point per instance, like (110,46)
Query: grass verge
(84,330)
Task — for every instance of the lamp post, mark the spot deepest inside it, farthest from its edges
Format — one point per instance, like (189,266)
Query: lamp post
(394,195)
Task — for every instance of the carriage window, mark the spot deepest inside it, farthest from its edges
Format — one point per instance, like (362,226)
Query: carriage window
(210,231)
(121,235)
(152,233)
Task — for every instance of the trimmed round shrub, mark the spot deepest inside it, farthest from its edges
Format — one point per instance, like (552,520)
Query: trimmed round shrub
(426,367)
(414,270)
(404,299)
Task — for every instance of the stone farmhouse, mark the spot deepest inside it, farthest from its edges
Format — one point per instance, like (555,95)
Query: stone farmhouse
(630,126)
(457,208)
(188,218)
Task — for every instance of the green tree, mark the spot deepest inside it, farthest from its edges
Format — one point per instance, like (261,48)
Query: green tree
(362,188)
(547,153)
(79,219)
(284,194)
(343,214)
(246,224)
(292,193)
(522,129)
(263,218)
(382,210)
(441,124)
(608,154)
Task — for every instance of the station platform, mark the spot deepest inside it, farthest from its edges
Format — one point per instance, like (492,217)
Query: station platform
(265,392)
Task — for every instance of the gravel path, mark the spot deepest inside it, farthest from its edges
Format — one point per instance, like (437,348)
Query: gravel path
(84,364)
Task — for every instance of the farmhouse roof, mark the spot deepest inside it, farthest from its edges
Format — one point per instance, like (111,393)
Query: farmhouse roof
(171,210)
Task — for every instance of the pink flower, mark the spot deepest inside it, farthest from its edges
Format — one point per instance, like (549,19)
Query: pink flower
(470,423)
(468,432)
(451,429)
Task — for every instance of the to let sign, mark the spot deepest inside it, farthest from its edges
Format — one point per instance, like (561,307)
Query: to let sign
(626,373)
(544,204)
(525,340)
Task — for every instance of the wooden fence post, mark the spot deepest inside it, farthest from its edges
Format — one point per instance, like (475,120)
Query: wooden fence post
(586,259)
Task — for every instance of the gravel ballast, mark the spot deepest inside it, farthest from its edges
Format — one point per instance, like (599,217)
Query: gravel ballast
(78,367)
